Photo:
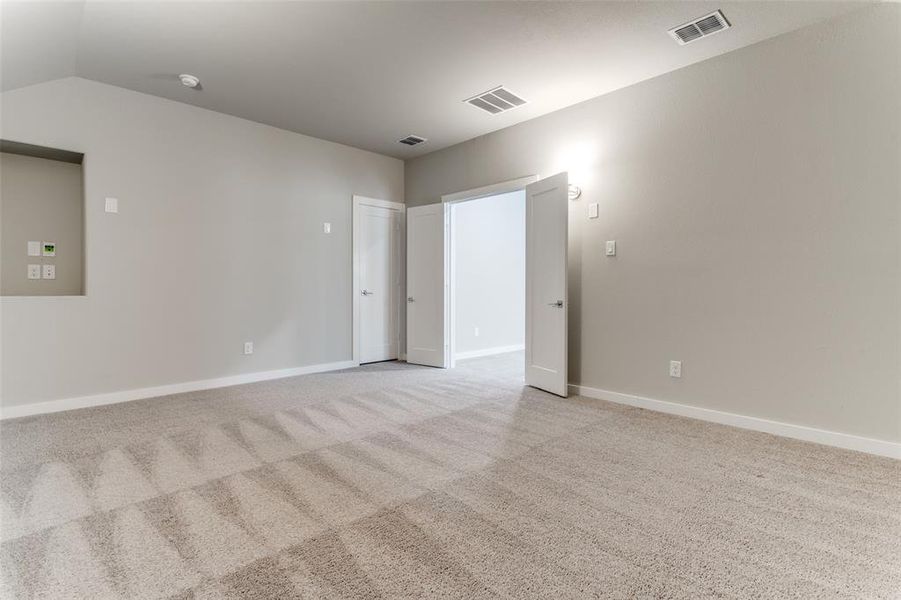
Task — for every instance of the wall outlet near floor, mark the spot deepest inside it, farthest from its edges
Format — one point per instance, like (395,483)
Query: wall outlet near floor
(248,347)
(34,271)
(675,368)
(48,272)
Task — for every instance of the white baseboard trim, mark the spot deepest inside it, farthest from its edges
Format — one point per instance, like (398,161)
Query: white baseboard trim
(52,406)
(488,351)
(798,432)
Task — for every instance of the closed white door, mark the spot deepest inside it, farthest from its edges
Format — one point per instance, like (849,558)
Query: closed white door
(378,229)
(546,298)
(426,266)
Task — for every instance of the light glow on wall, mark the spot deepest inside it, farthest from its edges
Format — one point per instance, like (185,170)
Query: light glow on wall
(579,159)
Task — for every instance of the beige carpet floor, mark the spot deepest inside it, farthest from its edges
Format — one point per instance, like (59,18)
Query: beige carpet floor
(395,481)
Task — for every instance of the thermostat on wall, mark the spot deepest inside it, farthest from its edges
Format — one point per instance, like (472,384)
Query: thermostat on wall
(48,248)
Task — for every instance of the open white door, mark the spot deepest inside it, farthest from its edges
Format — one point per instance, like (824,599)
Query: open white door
(426,268)
(546,299)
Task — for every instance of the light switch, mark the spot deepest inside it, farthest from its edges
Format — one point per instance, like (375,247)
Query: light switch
(48,248)
(593,210)
(611,248)
(34,271)
(675,368)
(49,272)
(34,248)
(112,205)
(326,228)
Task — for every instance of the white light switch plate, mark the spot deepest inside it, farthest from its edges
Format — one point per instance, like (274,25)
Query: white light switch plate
(34,271)
(675,368)
(112,205)
(34,248)
(248,347)
(611,248)
(49,272)
(326,228)
(593,210)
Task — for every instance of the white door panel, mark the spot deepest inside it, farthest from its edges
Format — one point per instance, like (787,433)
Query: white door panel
(426,318)
(378,314)
(546,284)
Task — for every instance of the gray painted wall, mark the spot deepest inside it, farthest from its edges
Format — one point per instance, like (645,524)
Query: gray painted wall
(490,266)
(756,203)
(218,240)
(41,200)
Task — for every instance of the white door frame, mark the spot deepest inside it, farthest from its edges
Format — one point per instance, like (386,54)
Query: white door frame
(400,261)
(450,200)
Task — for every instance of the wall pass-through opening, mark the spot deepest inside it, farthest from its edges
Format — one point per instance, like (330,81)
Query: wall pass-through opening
(42,221)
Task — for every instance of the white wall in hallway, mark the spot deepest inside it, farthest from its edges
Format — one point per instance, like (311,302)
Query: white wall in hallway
(489,258)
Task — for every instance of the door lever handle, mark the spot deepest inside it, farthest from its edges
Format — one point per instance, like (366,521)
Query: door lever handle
(558,303)
(367,293)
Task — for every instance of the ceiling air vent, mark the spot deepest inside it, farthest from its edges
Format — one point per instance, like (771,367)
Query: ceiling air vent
(412,140)
(495,101)
(695,30)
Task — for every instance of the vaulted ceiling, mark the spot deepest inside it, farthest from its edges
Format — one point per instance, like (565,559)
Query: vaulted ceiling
(367,74)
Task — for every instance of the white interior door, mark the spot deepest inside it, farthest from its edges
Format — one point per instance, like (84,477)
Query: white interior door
(546,299)
(426,268)
(378,277)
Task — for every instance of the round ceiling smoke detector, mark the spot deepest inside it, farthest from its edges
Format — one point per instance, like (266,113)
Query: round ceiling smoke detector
(189,80)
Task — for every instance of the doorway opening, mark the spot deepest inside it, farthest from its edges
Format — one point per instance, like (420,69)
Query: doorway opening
(487,282)
(430,310)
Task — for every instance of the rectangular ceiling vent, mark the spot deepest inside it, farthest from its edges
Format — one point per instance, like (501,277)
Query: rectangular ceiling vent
(412,140)
(695,30)
(495,101)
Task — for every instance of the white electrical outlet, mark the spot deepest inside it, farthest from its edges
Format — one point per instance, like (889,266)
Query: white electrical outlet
(48,272)
(675,368)
(475,331)
(248,347)
(34,271)
(611,248)
(326,228)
